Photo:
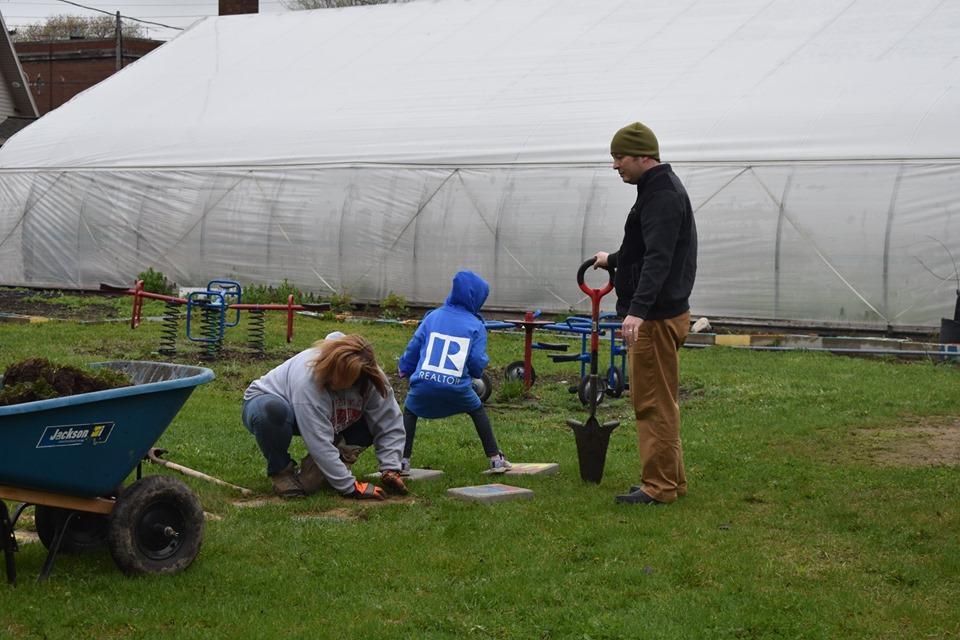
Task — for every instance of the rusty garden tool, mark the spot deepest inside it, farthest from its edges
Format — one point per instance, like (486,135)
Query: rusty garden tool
(592,437)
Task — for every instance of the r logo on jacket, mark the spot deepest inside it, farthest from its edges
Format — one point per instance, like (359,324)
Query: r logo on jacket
(446,355)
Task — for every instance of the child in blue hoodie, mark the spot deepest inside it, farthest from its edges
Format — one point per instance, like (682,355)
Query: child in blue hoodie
(447,351)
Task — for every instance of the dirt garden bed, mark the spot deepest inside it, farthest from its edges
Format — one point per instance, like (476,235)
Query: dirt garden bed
(923,443)
(31,302)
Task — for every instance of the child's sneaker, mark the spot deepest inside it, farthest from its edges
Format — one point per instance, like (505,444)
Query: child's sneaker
(499,464)
(405,467)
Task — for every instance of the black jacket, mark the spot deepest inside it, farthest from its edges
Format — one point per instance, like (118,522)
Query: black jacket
(657,262)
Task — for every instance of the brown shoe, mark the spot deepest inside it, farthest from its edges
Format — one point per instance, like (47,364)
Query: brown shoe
(286,484)
(393,483)
(310,476)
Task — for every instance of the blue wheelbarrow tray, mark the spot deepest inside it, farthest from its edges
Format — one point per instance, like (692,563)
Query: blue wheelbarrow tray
(86,445)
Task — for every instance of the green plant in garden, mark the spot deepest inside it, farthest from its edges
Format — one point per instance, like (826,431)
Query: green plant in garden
(269,294)
(285,289)
(510,390)
(156,282)
(394,306)
(341,302)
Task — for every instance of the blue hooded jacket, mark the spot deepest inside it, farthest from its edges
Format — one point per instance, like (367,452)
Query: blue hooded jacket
(447,351)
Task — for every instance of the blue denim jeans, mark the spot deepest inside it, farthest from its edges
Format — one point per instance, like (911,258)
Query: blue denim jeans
(272,422)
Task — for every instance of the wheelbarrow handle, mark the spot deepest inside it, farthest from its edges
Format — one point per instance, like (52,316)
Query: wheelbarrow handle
(595,294)
(154,455)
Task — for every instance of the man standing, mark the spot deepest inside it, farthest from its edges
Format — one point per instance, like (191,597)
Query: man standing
(655,269)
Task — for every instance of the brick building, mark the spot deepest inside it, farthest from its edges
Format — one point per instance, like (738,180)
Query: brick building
(57,70)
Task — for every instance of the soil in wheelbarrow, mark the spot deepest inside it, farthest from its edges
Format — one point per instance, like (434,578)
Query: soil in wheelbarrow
(39,379)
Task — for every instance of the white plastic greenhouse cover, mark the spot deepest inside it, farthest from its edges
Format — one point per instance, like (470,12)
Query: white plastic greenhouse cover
(382,148)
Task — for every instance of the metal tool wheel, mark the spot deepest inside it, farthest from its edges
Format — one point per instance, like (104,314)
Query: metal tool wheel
(156,526)
(584,395)
(615,382)
(483,386)
(514,371)
(85,531)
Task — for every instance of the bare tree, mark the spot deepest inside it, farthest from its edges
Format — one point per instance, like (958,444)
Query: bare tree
(65,26)
(297,5)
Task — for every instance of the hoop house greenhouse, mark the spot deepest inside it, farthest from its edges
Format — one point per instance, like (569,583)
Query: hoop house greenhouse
(380,149)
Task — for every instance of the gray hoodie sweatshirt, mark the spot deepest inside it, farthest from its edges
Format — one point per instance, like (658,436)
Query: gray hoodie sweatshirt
(321,415)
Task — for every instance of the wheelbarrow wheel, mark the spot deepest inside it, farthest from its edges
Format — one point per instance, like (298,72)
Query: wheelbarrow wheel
(483,386)
(614,378)
(584,394)
(156,526)
(85,532)
(514,371)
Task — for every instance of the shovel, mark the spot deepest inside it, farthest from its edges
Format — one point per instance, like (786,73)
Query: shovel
(591,436)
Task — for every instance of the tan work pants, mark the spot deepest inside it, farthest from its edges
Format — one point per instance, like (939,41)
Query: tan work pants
(655,391)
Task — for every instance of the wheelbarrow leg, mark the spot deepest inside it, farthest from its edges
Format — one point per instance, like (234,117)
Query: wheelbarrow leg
(55,547)
(9,542)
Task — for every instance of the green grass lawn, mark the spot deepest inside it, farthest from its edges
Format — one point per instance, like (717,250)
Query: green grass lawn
(801,521)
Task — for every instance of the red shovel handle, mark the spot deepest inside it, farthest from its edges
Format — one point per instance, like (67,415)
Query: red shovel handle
(595,294)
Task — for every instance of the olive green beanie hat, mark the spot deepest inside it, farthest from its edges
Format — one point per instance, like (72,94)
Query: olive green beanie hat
(635,140)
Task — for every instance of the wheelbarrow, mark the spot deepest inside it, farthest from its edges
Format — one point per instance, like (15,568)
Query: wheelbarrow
(592,437)
(69,457)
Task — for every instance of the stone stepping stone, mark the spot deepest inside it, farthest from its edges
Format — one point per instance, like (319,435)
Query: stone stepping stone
(415,475)
(529,469)
(488,493)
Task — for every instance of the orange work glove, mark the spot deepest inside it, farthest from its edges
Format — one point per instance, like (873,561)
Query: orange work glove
(366,491)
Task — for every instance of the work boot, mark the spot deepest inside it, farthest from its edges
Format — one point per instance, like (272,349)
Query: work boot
(286,484)
(636,497)
(638,487)
(310,476)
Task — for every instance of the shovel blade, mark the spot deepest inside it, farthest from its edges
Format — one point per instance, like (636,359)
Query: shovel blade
(592,441)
